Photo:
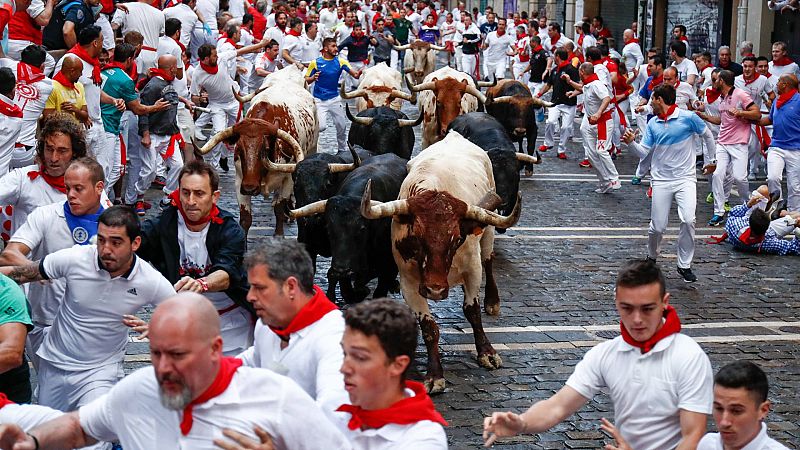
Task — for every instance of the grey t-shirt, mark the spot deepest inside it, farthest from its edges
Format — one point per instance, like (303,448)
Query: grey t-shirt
(383,50)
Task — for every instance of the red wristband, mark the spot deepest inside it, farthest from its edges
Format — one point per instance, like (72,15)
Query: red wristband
(203,284)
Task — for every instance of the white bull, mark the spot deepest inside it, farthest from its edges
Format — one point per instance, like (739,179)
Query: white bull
(380,85)
(420,59)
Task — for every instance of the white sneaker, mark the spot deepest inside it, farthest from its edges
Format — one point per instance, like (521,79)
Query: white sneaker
(616,185)
(604,188)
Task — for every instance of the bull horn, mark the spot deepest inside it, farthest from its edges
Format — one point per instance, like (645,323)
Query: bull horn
(396,93)
(377,210)
(408,70)
(502,99)
(349,95)
(310,209)
(216,139)
(539,102)
(366,121)
(248,97)
(438,48)
(400,48)
(488,83)
(289,139)
(490,201)
(412,123)
(410,85)
(530,159)
(423,87)
(492,218)
(354,154)
(279,167)
(339,167)
(477,93)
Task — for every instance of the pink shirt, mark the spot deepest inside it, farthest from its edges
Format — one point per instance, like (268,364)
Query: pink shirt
(734,130)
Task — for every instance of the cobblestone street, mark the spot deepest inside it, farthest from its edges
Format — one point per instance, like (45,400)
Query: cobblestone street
(555,272)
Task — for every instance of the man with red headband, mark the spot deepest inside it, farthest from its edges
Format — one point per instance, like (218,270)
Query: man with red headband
(659,380)
(188,396)
(199,248)
(781,62)
(299,333)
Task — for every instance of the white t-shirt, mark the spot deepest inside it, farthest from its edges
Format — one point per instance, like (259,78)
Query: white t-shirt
(758,88)
(227,63)
(195,262)
(604,75)
(777,71)
(415,20)
(131,412)
(188,20)
(219,85)
(31,99)
(44,232)
(294,46)
(713,441)
(88,330)
(548,46)
(495,52)
(9,132)
(632,53)
(312,359)
(328,18)
(588,41)
(277,34)
(649,390)
(593,95)
(685,69)
(446,29)
(706,76)
(236,8)
(685,94)
(18,190)
(143,18)
(168,46)
(208,9)
(90,90)
(311,48)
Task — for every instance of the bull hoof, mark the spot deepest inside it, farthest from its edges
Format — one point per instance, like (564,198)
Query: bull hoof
(435,385)
(490,361)
(492,310)
(528,173)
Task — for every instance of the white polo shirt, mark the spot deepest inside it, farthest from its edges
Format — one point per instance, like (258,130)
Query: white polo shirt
(312,359)
(27,416)
(131,412)
(18,190)
(145,19)
(593,95)
(713,441)
(218,85)
(294,46)
(648,390)
(758,88)
(88,331)
(44,232)
(187,17)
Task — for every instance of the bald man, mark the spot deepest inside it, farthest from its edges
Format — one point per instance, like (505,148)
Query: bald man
(68,94)
(632,51)
(188,396)
(159,132)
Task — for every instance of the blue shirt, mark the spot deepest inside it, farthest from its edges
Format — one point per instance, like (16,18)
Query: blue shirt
(739,219)
(327,86)
(786,124)
(670,142)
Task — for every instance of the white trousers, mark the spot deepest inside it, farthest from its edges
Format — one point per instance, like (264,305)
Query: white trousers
(523,78)
(496,68)
(685,194)
(68,390)
(469,63)
(96,144)
(566,114)
(220,117)
(733,156)
(115,167)
(458,55)
(777,160)
(333,108)
(351,81)
(597,149)
(147,173)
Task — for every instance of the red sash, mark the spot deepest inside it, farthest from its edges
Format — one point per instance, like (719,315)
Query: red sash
(404,412)
(672,325)
(174,140)
(315,309)
(602,125)
(227,369)
(5,401)
(10,110)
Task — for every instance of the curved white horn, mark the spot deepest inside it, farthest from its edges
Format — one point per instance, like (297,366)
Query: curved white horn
(377,210)
(488,83)
(279,167)
(289,139)
(400,48)
(339,167)
(349,95)
(530,159)
(502,99)
(477,93)
(400,94)
(539,102)
(366,121)
(492,218)
(248,97)
(412,123)
(311,209)
(216,139)
(438,48)
(423,86)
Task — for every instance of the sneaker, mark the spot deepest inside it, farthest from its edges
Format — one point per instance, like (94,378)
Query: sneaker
(562,155)
(716,220)
(616,185)
(585,164)
(727,207)
(710,197)
(223,164)
(688,276)
(544,148)
(636,181)
(159,182)
(776,208)
(605,188)
(140,210)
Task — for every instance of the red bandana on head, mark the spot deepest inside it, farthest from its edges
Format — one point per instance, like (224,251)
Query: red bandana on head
(81,53)
(785,97)
(669,112)
(212,70)
(315,309)
(212,216)
(56,183)
(782,61)
(227,369)
(404,412)
(28,74)
(671,326)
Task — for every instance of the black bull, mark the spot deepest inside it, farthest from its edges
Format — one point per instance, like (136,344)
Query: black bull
(489,134)
(383,130)
(361,249)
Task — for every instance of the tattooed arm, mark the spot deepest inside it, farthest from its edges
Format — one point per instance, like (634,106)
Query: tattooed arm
(25,273)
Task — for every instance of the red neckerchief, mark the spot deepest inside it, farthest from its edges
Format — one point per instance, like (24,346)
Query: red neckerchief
(562,65)
(283,30)
(357,35)
(404,412)
(536,49)
(56,183)
(782,61)
(5,401)
(748,239)
(580,40)
(711,95)
(785,97)
(81,53)
(293,32)
(62,80)
(746,81)
(180,44)
(116,65)
(500,35)
(555,41)
(232,42)
(655,82)
(589,78)
(521,36)
(314,310)
(168,77)
(672,325)
(669,112)
(227,369)
(28,74)
(212,70)
(10,110)
(683,38)
(212,216)
(632,41)
(768,75)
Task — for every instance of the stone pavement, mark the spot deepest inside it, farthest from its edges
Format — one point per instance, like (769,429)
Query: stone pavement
(555,271)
